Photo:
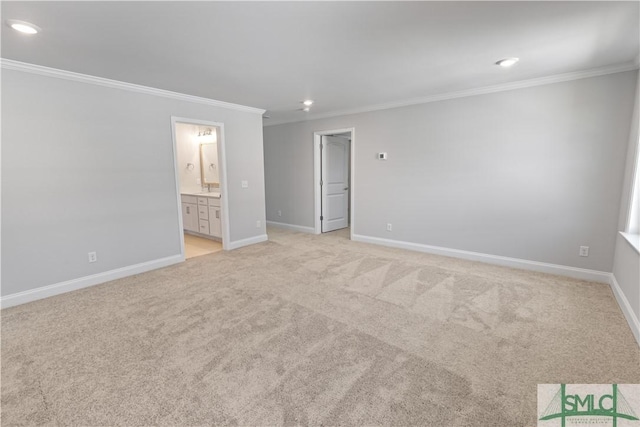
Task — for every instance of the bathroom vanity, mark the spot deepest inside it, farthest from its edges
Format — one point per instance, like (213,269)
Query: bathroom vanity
(201,214)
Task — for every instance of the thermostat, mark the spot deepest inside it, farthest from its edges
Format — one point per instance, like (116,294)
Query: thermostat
(382,156)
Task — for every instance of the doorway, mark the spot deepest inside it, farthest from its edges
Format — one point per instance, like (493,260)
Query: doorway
(200,170)
(334,181)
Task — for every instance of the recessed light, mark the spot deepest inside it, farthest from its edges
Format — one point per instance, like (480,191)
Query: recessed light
(306,109)
(507,62)
(23,27)
(307,102)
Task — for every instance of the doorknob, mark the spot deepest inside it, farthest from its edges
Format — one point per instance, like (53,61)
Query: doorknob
(346,188)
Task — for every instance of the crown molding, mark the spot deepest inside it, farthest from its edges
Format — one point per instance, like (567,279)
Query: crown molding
(558,78)
(9,64)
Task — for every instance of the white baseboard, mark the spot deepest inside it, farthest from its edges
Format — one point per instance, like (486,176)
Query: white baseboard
(292,227)
(84,282)
(561,270)
(623,302)
(246,242)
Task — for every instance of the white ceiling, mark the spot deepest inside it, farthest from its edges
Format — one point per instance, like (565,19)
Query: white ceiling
(344,55)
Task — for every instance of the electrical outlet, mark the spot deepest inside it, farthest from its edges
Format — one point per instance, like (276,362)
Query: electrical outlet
(388,227)
(258,224)
(584,250)
(279,213)
(244,184)
(93,257)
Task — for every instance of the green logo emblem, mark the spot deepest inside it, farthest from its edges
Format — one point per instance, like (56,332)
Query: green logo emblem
(611,405)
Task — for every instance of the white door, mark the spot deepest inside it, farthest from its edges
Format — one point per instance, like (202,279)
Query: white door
(335,183)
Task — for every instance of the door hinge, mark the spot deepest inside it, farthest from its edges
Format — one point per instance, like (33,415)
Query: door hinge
(321,217)
(321,183)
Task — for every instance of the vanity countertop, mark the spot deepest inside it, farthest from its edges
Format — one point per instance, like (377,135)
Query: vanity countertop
(214,194)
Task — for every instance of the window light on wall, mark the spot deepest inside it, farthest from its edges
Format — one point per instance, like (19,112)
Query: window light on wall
(633,224)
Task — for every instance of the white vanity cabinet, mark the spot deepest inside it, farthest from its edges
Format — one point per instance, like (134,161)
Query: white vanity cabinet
(201,214)
(190,213)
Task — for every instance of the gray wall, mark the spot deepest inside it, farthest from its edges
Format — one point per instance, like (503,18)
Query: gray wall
(530,173)
(626,269)
(90,168)
(626,266)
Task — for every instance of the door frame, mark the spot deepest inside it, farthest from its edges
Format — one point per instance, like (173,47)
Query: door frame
(317,174)
(222,160)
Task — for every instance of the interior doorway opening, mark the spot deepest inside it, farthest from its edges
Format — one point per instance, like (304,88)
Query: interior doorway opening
(201,186)
(334,181)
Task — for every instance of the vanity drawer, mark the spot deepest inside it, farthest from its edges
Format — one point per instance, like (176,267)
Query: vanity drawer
(203,212)
(204,226)
(202,201)
(188,199)
(213,201)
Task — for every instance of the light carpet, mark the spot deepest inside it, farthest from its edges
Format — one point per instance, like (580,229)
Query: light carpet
(311,330)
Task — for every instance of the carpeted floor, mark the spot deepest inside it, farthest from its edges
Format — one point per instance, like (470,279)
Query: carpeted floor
(311,330)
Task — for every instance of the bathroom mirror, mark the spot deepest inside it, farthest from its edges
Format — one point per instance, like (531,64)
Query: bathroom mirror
(209,164)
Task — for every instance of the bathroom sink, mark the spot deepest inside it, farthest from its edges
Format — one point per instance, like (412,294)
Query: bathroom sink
(214,194)
(209,194)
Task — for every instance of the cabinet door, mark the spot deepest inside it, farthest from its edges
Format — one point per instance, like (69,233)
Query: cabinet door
(190,217)
(215,226)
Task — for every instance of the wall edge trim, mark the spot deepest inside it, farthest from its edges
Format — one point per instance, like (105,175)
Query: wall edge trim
(524,264)
(9,64)
(86,281)
(292,227)
(623,302)
(521,84)
(248,241)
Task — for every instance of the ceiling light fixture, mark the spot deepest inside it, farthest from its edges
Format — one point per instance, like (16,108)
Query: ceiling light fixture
(23,27)
(308,102)
(306,109)
(507,62)
(206,136)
